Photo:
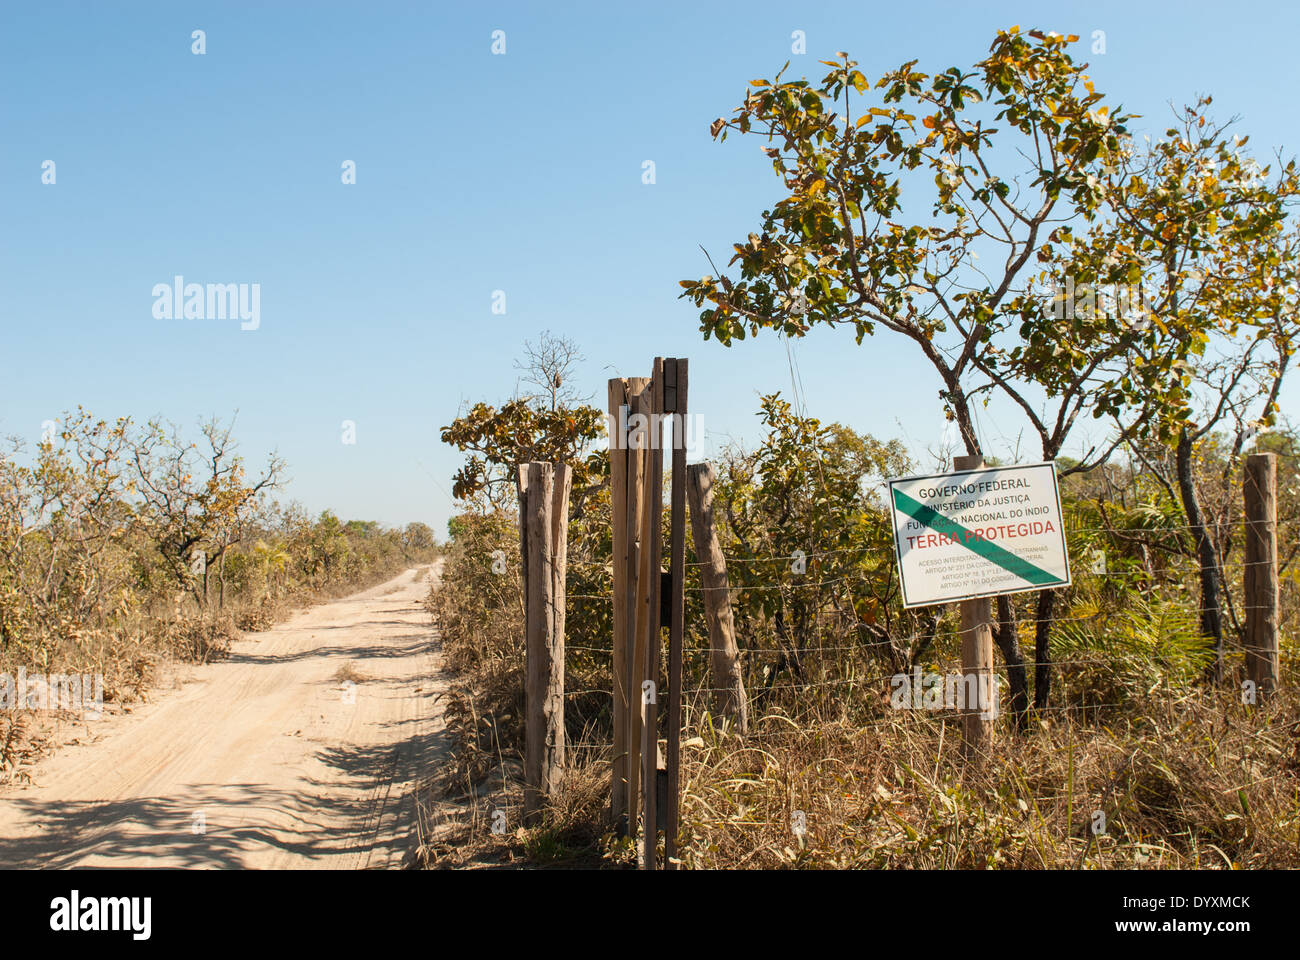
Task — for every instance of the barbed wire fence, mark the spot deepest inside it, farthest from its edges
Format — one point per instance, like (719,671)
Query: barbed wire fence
(798,572)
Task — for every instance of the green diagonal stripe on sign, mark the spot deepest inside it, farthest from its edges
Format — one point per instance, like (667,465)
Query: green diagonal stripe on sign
(988,550)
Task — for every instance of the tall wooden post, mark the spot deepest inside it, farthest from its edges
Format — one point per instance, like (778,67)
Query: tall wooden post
(976,658)
(637,408)
(638,401)
(544,508)
(618,455)
(724,655)
(676,383)
(1261,580)
(651,557)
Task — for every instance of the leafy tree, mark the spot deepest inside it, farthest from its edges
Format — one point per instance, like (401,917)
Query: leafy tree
(1033,177)
(418,536)
(1207,230)
(550,425)
(838,249)
(197,499)
(811,535)
(64,521)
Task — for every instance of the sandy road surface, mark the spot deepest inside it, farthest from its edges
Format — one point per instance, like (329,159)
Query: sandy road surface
(263,749)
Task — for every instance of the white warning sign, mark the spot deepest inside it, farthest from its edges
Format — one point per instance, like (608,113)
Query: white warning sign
(978,533)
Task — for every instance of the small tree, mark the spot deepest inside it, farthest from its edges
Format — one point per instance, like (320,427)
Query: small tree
(1200,223)
(549,424)
(809,534)
(64,530)
(197,498)
(418,536)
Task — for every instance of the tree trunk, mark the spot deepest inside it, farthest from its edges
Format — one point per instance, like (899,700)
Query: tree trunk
(1042,648)
(1207,555)
(724,655)
(960,407)
(1005,636)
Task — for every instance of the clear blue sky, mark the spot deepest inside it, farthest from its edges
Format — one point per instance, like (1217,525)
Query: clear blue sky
(474,173)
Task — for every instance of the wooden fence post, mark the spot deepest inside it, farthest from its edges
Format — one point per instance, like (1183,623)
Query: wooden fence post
(676,383)
(638,401)
(643,786)
(724,655)
(651,557)
(1261,581)
(976,658)
(618,455)
(544,509)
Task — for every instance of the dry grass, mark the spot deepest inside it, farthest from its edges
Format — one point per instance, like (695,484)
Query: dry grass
(1195,780)
(349,673)
(1206,785)
(12,740)
(1184,775)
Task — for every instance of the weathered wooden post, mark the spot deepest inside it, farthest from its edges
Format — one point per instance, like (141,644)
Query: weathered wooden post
(544,512)
(638,401)
(676,383)
(724,655)
(637,408)
(1261,580)
(976,658)
(651,557)
(618,456)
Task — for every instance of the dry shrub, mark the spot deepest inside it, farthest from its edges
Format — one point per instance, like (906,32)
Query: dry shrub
(12,739)
(202,641)
(261,615)
(1198,781)
(480,620)
(1137,763)
(348,672)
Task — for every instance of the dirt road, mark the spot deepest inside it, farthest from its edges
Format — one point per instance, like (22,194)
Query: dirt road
(298,751)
